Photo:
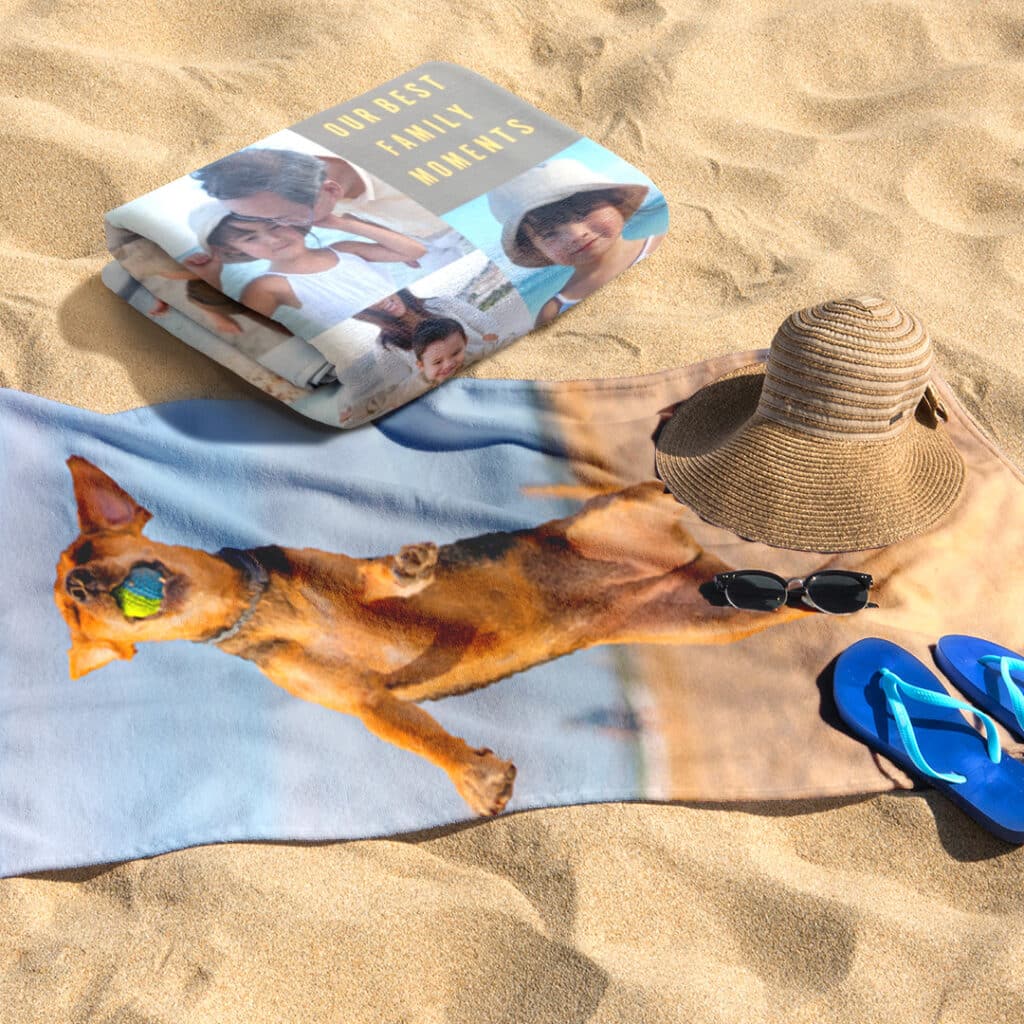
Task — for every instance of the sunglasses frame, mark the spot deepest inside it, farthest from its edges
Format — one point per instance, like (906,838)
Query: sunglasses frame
(795,585)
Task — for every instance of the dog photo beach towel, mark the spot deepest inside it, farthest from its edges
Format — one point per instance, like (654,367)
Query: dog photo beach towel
(371,252)
(223,622)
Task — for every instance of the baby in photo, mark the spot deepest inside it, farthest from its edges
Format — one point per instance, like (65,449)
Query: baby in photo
(328,284)
(563,213)
(439,346)
(399,315)
(440,349)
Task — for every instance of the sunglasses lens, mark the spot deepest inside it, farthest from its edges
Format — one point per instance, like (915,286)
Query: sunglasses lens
(838,594)
(755,592)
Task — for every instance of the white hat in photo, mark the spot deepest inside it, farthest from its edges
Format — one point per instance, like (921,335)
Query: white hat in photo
(550,182)
(204,219)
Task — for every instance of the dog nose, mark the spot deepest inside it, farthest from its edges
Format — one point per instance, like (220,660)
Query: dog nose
(81,584)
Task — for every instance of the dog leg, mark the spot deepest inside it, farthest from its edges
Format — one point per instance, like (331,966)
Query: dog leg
(638,528)
(401,575)
(482,779)
(415,563)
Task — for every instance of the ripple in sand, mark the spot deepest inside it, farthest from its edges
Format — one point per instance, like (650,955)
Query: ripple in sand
(1013,256)
(979,34)
(858,48)
(53,198)
(971,183)
(649,12)
(91,88)
(229,32)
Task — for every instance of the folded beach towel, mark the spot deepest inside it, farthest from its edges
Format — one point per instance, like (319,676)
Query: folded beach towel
(367,254)
(224,622)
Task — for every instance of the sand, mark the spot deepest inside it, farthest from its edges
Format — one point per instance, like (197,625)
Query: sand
(807,150)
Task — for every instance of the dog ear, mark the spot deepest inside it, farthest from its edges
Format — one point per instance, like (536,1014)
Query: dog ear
(87,655)
(102,504)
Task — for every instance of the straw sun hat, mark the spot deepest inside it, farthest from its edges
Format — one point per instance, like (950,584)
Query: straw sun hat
(550,182)
(833,445)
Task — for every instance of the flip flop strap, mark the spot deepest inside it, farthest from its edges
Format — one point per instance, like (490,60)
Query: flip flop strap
(896,689)
(1006,666)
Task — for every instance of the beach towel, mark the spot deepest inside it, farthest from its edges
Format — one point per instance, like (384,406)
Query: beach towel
(371,252)
(223,622)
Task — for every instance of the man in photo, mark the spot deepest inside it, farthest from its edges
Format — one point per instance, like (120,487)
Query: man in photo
(301,190)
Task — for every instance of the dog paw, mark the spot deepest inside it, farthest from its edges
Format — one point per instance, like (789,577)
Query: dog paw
(486,782)
(415,562)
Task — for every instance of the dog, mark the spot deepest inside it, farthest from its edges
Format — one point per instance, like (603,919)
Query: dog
(371,637)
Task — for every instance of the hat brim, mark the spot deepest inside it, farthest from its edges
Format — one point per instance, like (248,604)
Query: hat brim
(770,483)
(528,255)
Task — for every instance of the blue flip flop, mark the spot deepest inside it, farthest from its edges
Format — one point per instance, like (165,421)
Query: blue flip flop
(897,706)
(988,675)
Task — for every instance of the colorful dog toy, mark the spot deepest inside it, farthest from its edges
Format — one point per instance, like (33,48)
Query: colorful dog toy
(141,594)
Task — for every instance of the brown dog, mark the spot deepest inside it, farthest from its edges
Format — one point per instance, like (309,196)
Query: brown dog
(370,636)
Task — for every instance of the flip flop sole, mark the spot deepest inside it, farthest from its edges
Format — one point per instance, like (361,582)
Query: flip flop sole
(993,794)
(958,655)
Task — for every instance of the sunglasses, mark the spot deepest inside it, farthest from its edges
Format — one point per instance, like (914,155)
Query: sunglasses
(834,591)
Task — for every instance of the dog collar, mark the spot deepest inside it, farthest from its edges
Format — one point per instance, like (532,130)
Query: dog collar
(257,580)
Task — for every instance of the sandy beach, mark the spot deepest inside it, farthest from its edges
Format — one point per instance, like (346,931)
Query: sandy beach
(807,151)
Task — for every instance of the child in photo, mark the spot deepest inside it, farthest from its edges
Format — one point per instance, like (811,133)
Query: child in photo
(440,348)
(563,213)
(327,284)
(323,192)
(397,317)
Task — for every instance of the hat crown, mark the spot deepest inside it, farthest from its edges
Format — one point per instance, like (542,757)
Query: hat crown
(204,218)
(551,182)
(546,182)
(849,369)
